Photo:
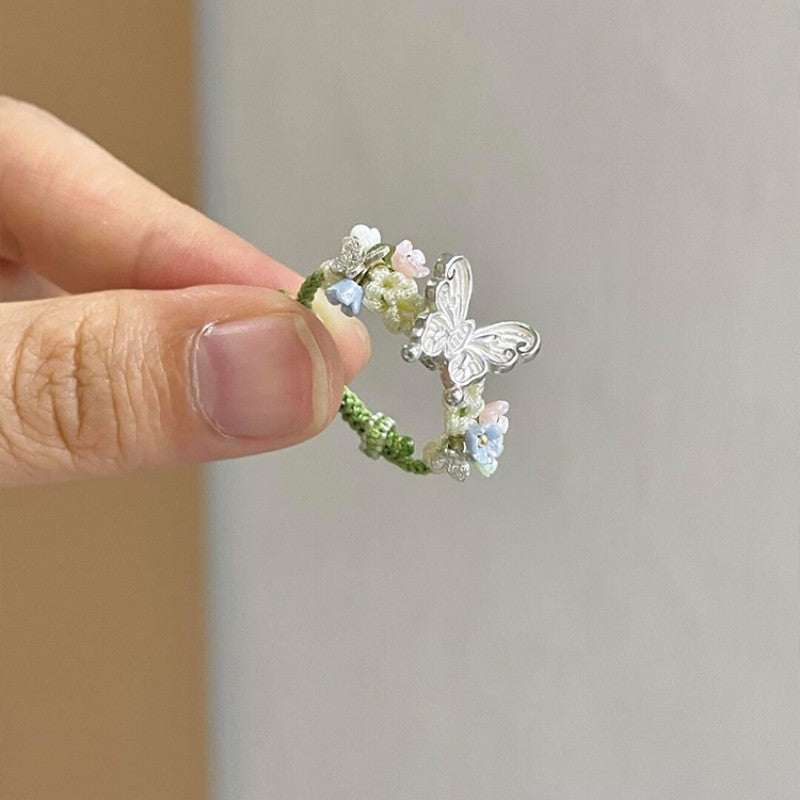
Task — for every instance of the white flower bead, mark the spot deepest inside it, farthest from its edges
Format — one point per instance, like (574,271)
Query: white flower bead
(458,418)
(367,237)
(373,289)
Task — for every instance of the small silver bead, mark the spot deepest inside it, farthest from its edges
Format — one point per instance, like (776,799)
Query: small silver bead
(454,396)
(410,352)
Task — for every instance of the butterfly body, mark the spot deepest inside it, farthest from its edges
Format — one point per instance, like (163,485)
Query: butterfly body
(458,339)
(443,338)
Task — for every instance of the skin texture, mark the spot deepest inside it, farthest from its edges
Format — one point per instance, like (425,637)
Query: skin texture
(134,331)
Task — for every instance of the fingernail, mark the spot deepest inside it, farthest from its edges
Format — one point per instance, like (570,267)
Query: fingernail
(335,321)
(263,377)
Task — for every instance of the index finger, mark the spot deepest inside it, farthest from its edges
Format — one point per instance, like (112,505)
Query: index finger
(86,221)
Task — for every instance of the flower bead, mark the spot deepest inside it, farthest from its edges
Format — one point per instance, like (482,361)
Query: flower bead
(400,316)
(458,418)
(348,295)
(433,450)
(484,442)
(488,469)
(495,413)
(473,396)
(367,237)
(408,261)
(395,296)
(385,287)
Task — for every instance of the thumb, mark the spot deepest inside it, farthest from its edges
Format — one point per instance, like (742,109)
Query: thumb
(100,384)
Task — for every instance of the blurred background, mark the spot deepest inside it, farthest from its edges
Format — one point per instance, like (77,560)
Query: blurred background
(614,614)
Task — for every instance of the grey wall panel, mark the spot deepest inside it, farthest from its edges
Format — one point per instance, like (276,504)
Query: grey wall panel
(614,614)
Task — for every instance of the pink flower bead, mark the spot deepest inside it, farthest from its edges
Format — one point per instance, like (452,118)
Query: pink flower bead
(495,413)
(408,261)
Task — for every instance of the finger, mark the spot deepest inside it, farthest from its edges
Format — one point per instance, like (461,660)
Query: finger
(87,222)
(100,384)
(20,283)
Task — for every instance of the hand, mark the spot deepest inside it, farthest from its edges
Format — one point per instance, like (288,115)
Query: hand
(174,344)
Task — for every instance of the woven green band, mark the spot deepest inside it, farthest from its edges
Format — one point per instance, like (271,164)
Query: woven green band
(384,440)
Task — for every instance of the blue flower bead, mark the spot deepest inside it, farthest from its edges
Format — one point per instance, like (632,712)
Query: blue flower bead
(484,442)
(347,294)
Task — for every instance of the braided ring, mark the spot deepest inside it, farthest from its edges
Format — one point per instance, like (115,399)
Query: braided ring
(368,273)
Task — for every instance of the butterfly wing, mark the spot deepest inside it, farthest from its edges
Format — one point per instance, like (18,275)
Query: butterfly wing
(448,294)
(467,367)
(450,290)
(435,334)
(501,345)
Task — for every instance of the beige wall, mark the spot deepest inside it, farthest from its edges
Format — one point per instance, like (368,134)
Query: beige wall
(101,612)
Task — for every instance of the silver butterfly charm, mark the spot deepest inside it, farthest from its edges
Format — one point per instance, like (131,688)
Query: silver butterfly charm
(452,462)
(350,261)
(353,261)
(444,339)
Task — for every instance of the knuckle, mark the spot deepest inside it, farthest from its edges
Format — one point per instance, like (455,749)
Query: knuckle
(84,389)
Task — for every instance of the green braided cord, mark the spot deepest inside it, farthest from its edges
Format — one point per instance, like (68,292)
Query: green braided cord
(309,288)
(397,449)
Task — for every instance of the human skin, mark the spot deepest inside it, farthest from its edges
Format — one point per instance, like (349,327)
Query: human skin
(134,331)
